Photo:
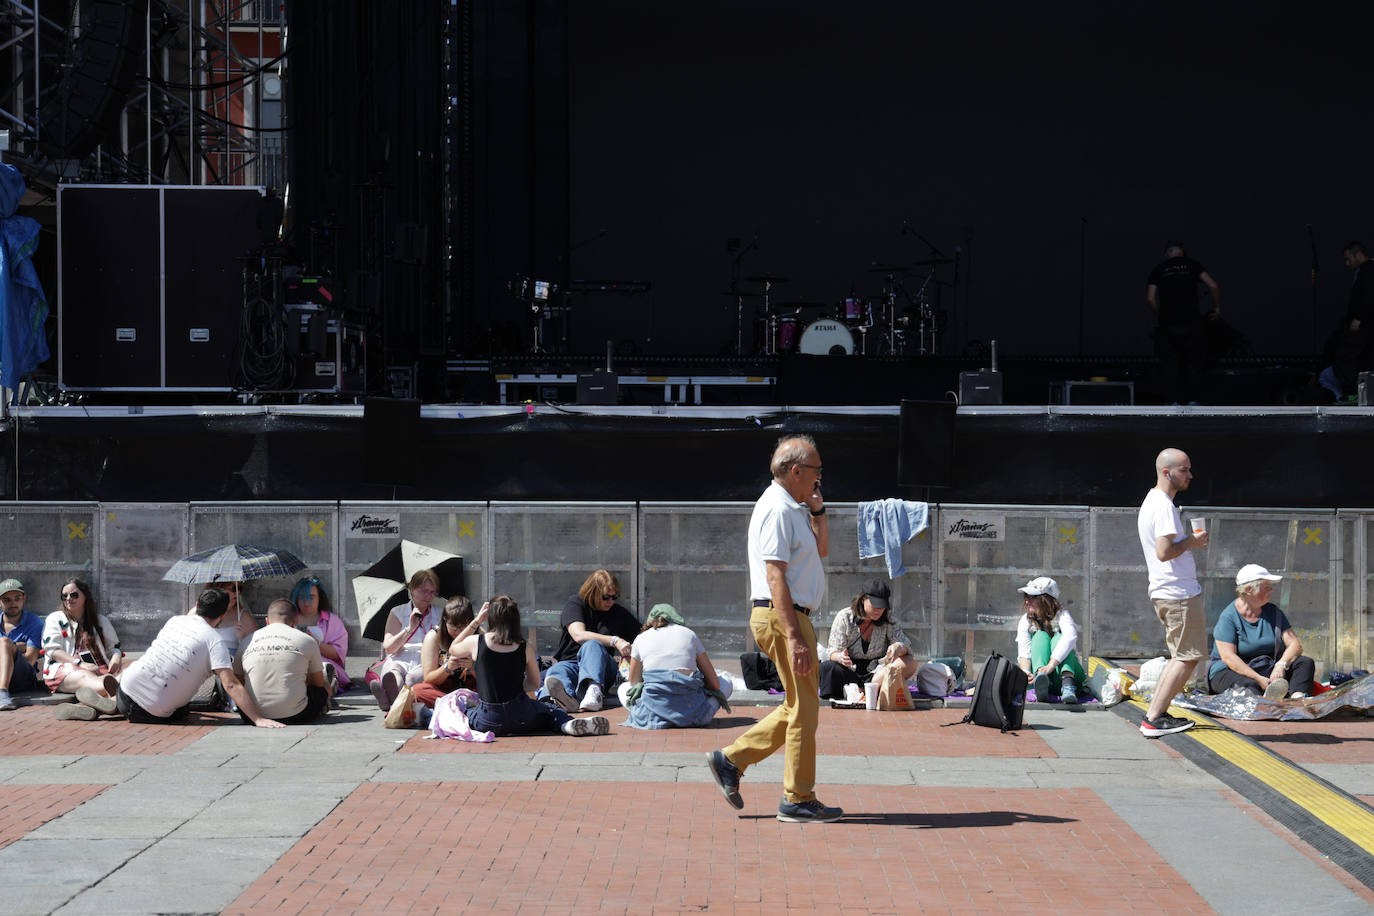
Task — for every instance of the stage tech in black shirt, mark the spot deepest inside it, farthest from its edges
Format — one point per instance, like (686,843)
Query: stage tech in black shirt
(615,622)
(1177,280)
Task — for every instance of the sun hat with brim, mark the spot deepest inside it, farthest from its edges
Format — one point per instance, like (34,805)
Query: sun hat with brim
(1041,585)
(1250,572)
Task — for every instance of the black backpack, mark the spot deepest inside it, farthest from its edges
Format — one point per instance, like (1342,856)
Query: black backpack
(999,700)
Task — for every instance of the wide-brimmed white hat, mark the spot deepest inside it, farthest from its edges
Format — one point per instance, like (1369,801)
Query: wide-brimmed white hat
(1041,585)
(1253,572)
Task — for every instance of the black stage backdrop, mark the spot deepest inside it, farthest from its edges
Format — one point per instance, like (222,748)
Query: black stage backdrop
(1053,147)
(1295,460)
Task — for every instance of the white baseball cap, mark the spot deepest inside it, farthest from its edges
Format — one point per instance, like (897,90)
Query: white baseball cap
(1041,585)
(1253,572)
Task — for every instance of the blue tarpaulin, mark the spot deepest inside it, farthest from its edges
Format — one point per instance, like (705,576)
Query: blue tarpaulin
(23,307)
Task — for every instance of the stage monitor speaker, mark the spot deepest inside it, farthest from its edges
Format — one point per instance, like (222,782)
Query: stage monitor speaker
(391,430)
(983,387)
(925,444)
(600,386)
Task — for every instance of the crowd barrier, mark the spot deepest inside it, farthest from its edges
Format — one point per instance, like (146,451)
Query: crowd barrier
(957,597)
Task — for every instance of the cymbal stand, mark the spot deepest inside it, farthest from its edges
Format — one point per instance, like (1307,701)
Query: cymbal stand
(770,321)
(735,264)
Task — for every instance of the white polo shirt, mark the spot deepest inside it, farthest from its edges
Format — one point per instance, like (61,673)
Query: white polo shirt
(780,529)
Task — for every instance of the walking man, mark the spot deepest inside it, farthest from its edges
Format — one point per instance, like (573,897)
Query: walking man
(788,536)
(1174,588)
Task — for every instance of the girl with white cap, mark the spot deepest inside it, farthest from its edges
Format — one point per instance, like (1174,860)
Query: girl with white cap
(1046,637)
(1255,647)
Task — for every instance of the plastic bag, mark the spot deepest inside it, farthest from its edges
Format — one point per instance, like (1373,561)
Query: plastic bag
(1150,673)
(1116,687)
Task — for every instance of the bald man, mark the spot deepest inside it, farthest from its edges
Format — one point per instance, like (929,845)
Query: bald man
(1174,588)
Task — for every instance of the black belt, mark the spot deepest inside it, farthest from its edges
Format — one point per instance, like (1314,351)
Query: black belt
(768,602)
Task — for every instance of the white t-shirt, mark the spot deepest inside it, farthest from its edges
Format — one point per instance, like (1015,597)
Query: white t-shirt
(275,662)
(780,529)
(672,646)
(167,676)
(410,652)
(1063,624)
(1176,578)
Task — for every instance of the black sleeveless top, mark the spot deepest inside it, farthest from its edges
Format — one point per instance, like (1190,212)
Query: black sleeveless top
(500,675)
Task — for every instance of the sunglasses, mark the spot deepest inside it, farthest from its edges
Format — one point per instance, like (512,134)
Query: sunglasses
(610,597)
(70,596)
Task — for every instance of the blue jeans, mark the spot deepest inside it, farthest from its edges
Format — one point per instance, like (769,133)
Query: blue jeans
(520,716)
(595,664)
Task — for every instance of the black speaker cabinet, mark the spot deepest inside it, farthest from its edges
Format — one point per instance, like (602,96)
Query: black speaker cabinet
(150,284)
(925,444)
(391,430)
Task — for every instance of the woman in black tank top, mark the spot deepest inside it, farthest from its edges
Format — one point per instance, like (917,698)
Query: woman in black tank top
(504,675)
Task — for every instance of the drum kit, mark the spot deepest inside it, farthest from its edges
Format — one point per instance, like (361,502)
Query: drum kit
(896,322)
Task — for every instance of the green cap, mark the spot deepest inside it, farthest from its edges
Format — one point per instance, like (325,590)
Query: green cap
(12,585)
(667,612)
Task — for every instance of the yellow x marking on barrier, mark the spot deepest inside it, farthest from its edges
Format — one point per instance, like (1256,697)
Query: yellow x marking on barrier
(316,529)
(76,530)
(615,529)
(1068,534)
(465,529)
(1312,535)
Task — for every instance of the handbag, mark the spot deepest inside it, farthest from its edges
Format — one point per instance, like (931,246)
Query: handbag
(402,711)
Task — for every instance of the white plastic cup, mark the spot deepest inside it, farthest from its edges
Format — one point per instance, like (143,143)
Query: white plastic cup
(871,695)
(1199,524)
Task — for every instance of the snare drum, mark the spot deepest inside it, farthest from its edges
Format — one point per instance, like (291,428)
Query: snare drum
(826,338)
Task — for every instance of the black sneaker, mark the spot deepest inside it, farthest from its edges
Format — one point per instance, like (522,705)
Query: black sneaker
(1164,725)
(727,776)
(808,812)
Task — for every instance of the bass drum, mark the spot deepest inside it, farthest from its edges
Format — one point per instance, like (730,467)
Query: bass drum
(826,338)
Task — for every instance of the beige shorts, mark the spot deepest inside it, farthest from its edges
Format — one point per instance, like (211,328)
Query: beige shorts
(1185,626)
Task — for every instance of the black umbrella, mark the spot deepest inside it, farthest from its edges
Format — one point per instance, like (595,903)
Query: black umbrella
(382,585)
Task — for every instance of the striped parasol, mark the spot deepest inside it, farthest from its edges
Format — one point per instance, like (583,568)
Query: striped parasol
(234,563)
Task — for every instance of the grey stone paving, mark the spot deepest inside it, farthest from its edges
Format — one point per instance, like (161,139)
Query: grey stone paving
(188,832)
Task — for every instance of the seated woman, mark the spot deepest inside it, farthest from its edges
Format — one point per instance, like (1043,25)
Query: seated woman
(1046,643)
(316,613)
(444,669)
(680,688)
(862,637)
(596,633)
(81,649)
(406,627)
(506,670)
(1255,646)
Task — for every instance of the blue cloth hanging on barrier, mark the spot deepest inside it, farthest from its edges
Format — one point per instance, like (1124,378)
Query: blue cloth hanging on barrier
(23,307)
(885,525)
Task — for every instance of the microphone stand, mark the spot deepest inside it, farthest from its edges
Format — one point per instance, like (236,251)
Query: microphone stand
(735,270)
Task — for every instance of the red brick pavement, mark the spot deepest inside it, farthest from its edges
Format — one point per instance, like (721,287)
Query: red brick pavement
(841,732)
(524,847)
(36,730)
(1328,740)
(24,808)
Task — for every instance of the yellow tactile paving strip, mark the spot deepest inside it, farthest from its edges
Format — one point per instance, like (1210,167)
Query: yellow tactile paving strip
(1340,812)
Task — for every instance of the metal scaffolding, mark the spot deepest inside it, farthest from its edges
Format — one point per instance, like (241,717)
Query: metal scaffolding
(149,92)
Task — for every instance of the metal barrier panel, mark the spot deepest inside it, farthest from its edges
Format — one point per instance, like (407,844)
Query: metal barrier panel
(44,544)
(695,558)
(913,602)
(305,528)
(987,552)
(546,552)
(140,542)
(1350,617)
(1296,545)
(368,530)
